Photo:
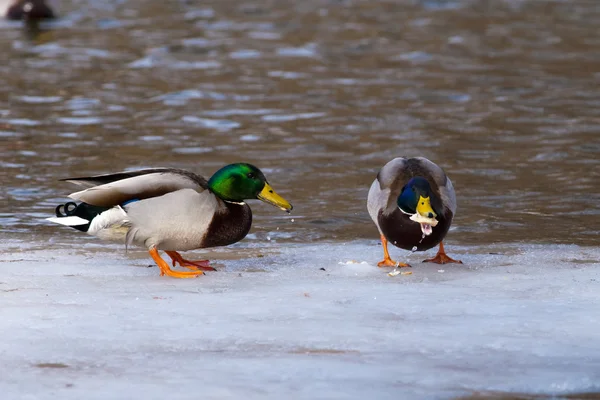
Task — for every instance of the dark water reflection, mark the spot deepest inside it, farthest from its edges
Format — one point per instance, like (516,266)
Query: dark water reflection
(319,94)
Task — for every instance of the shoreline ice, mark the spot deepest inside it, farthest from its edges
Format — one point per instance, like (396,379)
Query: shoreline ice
(98,324)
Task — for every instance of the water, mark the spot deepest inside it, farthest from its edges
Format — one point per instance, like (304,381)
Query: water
(319,94)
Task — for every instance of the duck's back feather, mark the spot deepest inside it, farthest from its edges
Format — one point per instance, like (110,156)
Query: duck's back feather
(116,189)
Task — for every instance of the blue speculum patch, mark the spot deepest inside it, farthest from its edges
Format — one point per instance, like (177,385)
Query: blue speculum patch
(129,201)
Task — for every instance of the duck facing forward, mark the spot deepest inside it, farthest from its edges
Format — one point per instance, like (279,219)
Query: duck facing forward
(169,209)
(412,202)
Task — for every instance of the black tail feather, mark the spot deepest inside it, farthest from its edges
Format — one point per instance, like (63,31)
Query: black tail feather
(83,210)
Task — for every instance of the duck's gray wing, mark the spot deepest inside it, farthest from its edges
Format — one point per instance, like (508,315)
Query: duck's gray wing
(384,190)
(115,189)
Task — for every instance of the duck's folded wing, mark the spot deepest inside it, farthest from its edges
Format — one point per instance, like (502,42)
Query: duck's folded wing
(116,189)
(391,179)
(444,184)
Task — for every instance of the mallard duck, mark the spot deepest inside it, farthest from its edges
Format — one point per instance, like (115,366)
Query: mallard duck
(412,202)
(28,10)
(169,209)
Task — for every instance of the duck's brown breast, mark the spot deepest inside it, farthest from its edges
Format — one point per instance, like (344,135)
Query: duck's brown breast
(229,225)
(404,233)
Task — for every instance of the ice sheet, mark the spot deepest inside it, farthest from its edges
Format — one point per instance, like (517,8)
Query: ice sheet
(94,323)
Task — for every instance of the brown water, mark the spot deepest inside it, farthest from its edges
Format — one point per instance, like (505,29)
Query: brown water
(318,94)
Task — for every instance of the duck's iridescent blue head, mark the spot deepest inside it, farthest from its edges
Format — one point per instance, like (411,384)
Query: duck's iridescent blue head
(419,201)
(416,197)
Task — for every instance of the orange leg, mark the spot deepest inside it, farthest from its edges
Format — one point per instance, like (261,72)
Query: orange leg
(166,270)
(441,257)
(387,261)
(201,265)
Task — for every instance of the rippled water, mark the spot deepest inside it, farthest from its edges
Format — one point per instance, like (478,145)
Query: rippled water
(318,94)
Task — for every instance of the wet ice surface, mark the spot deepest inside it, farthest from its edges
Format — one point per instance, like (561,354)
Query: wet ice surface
(91,322)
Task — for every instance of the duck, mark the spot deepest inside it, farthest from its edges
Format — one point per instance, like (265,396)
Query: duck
(170,210)
(412,202)
(27,10)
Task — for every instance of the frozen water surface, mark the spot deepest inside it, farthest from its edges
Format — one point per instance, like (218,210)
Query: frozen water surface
(298,321)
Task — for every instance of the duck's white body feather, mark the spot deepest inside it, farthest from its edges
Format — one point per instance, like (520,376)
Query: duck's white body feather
(68,221)
(112,224)
(175,221)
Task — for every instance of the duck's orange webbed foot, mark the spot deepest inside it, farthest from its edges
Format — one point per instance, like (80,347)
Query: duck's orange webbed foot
(387,261)
(166,270)
(442,258)
(201,265)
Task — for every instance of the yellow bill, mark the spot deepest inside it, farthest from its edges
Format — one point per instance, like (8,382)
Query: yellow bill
(425,216)
(424,208)
(268,195)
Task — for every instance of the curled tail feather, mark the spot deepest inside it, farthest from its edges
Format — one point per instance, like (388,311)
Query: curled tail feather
(76,216)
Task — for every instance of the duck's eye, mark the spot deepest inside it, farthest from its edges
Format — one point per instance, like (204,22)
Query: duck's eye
(250,175)
(422,203)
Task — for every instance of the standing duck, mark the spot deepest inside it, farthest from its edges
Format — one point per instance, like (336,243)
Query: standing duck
(169,209)
(412,202)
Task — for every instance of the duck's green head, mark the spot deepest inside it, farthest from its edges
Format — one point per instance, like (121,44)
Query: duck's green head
(239,182)
(418,198)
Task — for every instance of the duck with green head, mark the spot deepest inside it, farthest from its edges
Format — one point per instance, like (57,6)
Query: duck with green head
(412,203)
(169,209)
